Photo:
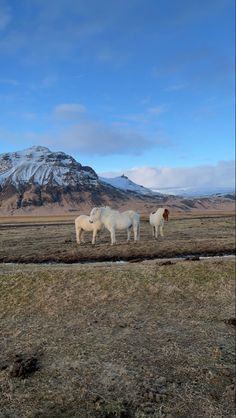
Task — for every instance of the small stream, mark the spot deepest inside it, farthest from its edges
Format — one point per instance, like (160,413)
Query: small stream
(161,261)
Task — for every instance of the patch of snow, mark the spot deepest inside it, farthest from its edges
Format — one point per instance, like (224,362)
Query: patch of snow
(194,191)
(124,183)
(39,165)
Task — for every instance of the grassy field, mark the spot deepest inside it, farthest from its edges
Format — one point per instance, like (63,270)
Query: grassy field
(134,340)
(42,240)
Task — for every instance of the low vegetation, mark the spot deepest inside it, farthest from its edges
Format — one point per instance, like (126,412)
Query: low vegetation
(148,339)
(55,242)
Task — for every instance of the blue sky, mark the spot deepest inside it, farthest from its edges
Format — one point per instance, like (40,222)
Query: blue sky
(138,86)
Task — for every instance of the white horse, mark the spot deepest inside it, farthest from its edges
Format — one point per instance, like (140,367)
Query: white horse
(113,220)
(157,219)
(82,224)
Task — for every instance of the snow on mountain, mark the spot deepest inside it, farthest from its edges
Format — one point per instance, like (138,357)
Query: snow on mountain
(124,183)
(38,165)
(39,178)
(194,191)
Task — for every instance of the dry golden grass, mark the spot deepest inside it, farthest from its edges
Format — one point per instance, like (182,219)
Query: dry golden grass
(127,340)
(36,219)
(55,242)
(175,214)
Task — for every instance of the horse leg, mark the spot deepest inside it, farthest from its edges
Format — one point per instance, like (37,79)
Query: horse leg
(161,230)
(136,229)
(113,236)
(94,237)
(128,233)
(82,235)
(156,231)
(153,231)
(138,236)
(78,231)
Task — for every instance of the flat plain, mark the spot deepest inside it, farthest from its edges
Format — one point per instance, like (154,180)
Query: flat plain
(50,240)
(136,340)
(139,339)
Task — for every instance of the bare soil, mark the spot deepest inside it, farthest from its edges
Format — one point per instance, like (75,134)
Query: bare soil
(136,340)
(53,240)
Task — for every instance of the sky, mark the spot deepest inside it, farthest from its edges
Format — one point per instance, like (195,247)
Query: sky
(140,87)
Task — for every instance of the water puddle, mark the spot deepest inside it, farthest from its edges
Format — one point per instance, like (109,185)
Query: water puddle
(161,261)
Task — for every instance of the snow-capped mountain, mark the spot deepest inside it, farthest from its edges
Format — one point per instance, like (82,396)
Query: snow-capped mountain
(37,180)
(38,165)
(37,177)
(124,183)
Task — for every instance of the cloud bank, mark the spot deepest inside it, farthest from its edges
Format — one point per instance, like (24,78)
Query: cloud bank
(5,16)
(221,175)
(73,129)
(93,138)
(69,111)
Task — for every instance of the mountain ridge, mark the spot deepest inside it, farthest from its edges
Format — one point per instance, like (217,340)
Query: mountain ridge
(37,180)
(36,177)
(124,183)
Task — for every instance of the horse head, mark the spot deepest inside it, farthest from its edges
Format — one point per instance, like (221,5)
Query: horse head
(94,215)
(166,214)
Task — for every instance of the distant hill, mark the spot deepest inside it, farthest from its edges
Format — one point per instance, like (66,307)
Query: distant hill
(124,183)
(195,191)
(37,178)
(39,181)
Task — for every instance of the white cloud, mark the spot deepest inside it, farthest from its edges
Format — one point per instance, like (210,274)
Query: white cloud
(5,16)
(147,115)
(10,81)
(220,175)
(96,138)
(157,110)
(136,117)
(49,81)
(69,111)
(87,138)
(107,54)
(176,87)
(72,129)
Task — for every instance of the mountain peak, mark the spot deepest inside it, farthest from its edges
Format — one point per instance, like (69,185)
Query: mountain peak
(124,183)
(38,165)
(36,177)
(35,150)
(38,148)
